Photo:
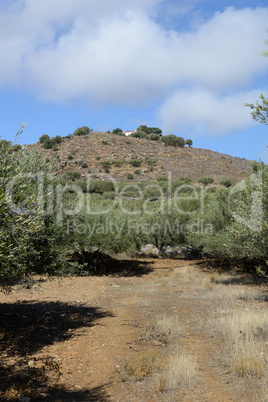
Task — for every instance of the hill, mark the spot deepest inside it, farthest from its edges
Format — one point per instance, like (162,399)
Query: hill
(98,153)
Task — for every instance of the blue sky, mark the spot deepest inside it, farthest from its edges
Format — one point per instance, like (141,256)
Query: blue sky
(185,66)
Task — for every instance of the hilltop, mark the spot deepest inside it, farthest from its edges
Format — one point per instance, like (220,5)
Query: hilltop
(100,153)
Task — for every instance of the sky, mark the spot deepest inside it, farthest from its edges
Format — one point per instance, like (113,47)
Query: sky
(186,66)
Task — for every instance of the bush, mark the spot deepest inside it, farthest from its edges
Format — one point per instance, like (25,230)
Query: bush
(150,161)
(135,162)
(58,139)
(130,176)
(72,175)
(189,142)
(105,142)
(118,162)
(100,186)
(82,131)
(206,180)
(49,143)
(118,131)
(137,172)
(43,138)
(149,130)
(172,140)
(70,156)
(16,148)
(28,239)
(84,165)
(138,134)
(153,137)
(227,183)
(106,164)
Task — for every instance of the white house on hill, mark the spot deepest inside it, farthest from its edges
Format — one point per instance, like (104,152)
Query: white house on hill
(127,133)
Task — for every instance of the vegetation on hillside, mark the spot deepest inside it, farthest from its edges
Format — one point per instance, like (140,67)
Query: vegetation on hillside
(44,218)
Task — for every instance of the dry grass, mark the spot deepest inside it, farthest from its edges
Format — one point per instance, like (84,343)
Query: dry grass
(181,371)
(145,364)
(245,324)
(162,281)
(169,326)
(246,333)
(249,359)
(208,285)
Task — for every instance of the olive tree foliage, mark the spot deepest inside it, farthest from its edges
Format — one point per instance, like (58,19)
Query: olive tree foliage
(173,140)
(260,110)
(239,221)
(27,238)
(149,130)
(118,131)
(82,131)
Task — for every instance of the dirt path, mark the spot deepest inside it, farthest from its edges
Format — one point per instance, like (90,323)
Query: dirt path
(101,323)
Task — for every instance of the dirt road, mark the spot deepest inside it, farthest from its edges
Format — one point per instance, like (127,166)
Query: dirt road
(101,330)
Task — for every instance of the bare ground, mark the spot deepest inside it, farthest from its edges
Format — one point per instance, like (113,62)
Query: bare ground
(95,328)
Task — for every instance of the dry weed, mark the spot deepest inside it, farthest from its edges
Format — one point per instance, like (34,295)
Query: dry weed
(169,326)
(245,324)
(249,359)
(208,285)
(181,371)
(246,332)
(145,364)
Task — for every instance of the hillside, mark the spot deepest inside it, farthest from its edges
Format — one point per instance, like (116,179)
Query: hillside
(89,153)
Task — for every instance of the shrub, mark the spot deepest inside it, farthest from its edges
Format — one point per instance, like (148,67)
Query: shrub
(100,186)
(16,148)
(58,139)
(138,134)
(43,138)
(227,183)
(138,172)
(82,131)
(118,131)
(135,162)
(206,180)
(160,178)
(105,142)
(98,158)
(149,130)
(84,165)
(189,142)
(106,164)
(153,137)
(72,175)
(145,364)
(106,170)
(49,143)
(130,176)
(70,156)
(27,239)
(118,162)
(172,140)
(150,161)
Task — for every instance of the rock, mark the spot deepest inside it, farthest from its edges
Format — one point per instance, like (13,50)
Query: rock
(149,250)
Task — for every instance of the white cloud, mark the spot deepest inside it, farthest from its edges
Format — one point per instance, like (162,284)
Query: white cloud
(204,112)
(114,52)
